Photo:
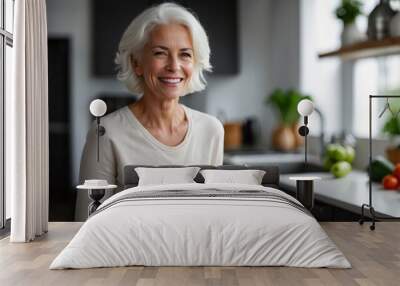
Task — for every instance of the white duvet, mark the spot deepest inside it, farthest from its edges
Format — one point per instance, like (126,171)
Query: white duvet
(183,231)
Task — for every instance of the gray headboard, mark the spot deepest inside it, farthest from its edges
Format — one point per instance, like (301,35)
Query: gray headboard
(270,179)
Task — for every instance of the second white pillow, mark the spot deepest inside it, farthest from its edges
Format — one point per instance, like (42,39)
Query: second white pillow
(162,176)
(248,177)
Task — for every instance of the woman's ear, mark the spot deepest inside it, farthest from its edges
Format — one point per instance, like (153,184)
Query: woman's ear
(136,67)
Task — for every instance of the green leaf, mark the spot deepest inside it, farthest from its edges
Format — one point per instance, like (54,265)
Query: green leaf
(286,104)
(349,10)
(392,126)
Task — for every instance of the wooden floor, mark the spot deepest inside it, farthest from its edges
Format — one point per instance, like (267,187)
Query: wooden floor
(374,255)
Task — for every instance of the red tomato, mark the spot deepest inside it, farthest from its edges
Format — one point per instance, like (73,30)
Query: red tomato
(396,171)
(390,182)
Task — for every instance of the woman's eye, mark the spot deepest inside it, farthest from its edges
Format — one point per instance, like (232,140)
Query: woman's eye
(186,55)
(159,53)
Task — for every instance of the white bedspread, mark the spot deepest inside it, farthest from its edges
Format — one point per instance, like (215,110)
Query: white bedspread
(200,231)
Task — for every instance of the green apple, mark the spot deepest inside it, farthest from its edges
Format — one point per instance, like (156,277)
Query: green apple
(339,153)
(328,163)
(330,150)
(341,169)
(350,154)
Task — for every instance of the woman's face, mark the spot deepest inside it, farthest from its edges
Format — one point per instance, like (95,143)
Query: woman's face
(167,62)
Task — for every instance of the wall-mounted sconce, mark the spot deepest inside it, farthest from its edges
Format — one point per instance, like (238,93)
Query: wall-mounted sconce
(305,108)
(98,108)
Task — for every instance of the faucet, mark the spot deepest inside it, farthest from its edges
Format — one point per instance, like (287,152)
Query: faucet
(322,133)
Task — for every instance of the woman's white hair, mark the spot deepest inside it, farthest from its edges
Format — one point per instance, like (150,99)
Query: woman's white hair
(137,34)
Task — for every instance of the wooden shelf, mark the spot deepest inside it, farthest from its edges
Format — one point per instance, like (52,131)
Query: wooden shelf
(366,49)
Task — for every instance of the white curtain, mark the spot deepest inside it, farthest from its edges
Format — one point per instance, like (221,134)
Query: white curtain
(27,124)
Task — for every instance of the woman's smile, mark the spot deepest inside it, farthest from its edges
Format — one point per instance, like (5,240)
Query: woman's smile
(171,81)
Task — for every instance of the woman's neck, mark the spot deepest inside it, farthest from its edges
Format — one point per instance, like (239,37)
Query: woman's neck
(166,115)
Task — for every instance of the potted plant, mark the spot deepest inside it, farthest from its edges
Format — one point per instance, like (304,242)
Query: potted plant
(285,136)
(348,11)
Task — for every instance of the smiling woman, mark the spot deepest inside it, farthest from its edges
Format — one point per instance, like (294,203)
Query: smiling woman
(162,56)
(166,69)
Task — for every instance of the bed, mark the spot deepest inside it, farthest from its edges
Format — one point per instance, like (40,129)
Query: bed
(201,224)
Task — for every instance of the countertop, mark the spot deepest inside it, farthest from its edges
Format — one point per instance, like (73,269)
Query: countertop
(266,158)
(349,192)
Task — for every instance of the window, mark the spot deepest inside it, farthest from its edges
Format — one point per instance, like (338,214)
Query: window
(383,77)
(6,64)
(320,31)
(373,76)
(341,89)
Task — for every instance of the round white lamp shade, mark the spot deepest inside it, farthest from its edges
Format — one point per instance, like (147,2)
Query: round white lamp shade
(98,107)
(305,107)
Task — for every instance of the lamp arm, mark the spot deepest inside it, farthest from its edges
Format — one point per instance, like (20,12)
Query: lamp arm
(305,142)
(98,137)
(303,131)
(100,131)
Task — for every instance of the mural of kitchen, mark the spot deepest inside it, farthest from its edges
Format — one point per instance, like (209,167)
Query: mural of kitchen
(267,57)
(199,142)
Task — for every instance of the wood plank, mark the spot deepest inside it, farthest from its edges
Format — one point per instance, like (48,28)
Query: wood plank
(375,257)
(370,48)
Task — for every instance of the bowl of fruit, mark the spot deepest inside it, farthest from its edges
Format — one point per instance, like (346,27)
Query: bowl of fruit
(338,159)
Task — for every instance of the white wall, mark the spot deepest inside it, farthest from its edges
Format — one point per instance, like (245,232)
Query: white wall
(264,64)
(242,95)
(321,77)
(285,44)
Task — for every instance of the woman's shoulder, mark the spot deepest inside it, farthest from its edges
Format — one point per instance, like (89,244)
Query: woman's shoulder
(204,120)
(114,121)
(115,118)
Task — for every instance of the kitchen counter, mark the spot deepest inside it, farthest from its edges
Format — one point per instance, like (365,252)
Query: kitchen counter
(349,193)
(287,162)
(265,158)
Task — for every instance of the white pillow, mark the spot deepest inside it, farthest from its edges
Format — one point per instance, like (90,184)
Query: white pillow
(162,176)
(248,177)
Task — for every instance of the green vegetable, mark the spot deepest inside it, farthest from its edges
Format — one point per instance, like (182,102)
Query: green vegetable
(380,167)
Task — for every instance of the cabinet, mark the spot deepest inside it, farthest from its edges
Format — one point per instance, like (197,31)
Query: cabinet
(109,20)
(219,18)
(62,194)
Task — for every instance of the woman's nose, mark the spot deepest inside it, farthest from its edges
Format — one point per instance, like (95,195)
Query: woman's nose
(173,63)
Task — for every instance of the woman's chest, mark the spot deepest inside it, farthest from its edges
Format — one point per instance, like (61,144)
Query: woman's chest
(170,137)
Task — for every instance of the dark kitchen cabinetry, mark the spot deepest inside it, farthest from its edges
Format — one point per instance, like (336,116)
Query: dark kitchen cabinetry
(219,18)
(62,194)
(326,212)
